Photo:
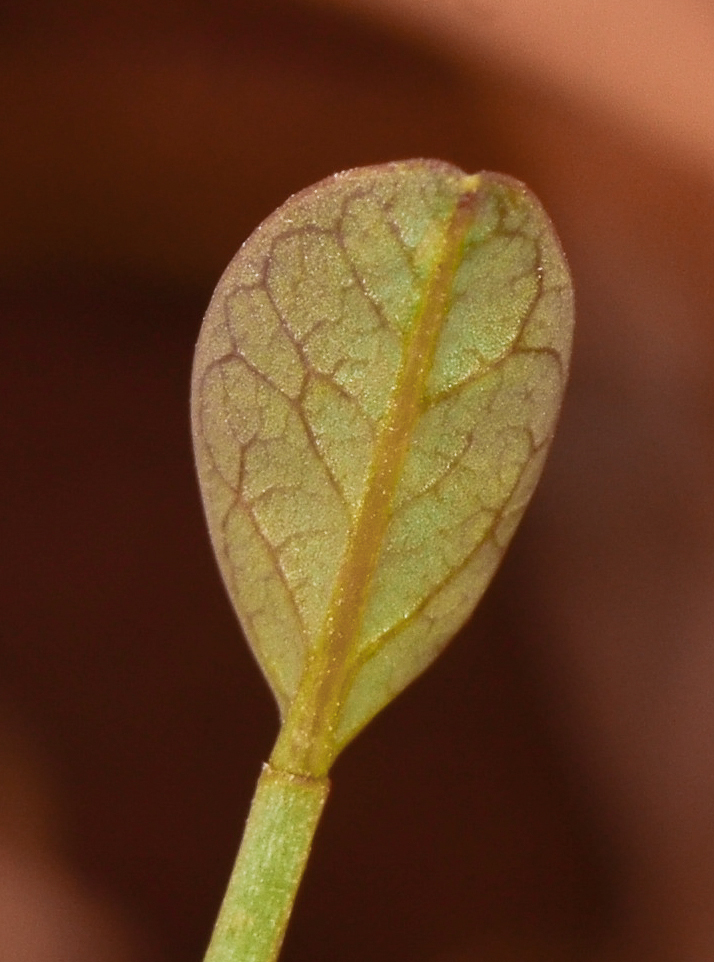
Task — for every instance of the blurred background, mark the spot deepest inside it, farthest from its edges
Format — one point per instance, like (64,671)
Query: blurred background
(546,791)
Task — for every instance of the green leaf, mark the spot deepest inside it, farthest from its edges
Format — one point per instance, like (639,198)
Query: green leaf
(375,387)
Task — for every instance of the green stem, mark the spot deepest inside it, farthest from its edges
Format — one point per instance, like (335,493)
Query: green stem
(276,843)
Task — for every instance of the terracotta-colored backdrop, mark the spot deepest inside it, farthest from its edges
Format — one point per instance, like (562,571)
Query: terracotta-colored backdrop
(546,791)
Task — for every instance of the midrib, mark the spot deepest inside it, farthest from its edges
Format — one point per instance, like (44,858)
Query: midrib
(352,587)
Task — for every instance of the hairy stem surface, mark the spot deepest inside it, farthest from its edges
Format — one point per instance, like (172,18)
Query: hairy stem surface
(276,843)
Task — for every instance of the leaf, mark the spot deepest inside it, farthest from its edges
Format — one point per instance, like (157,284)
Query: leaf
(375,387)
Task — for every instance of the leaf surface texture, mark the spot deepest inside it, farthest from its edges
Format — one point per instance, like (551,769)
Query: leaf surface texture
(375,387)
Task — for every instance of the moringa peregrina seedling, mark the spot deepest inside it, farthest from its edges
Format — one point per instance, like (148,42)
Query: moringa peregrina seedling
(375,388)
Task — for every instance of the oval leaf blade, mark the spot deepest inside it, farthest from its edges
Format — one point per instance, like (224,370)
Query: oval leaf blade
(375,387)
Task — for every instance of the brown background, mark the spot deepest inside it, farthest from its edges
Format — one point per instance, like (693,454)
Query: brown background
(546,791)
